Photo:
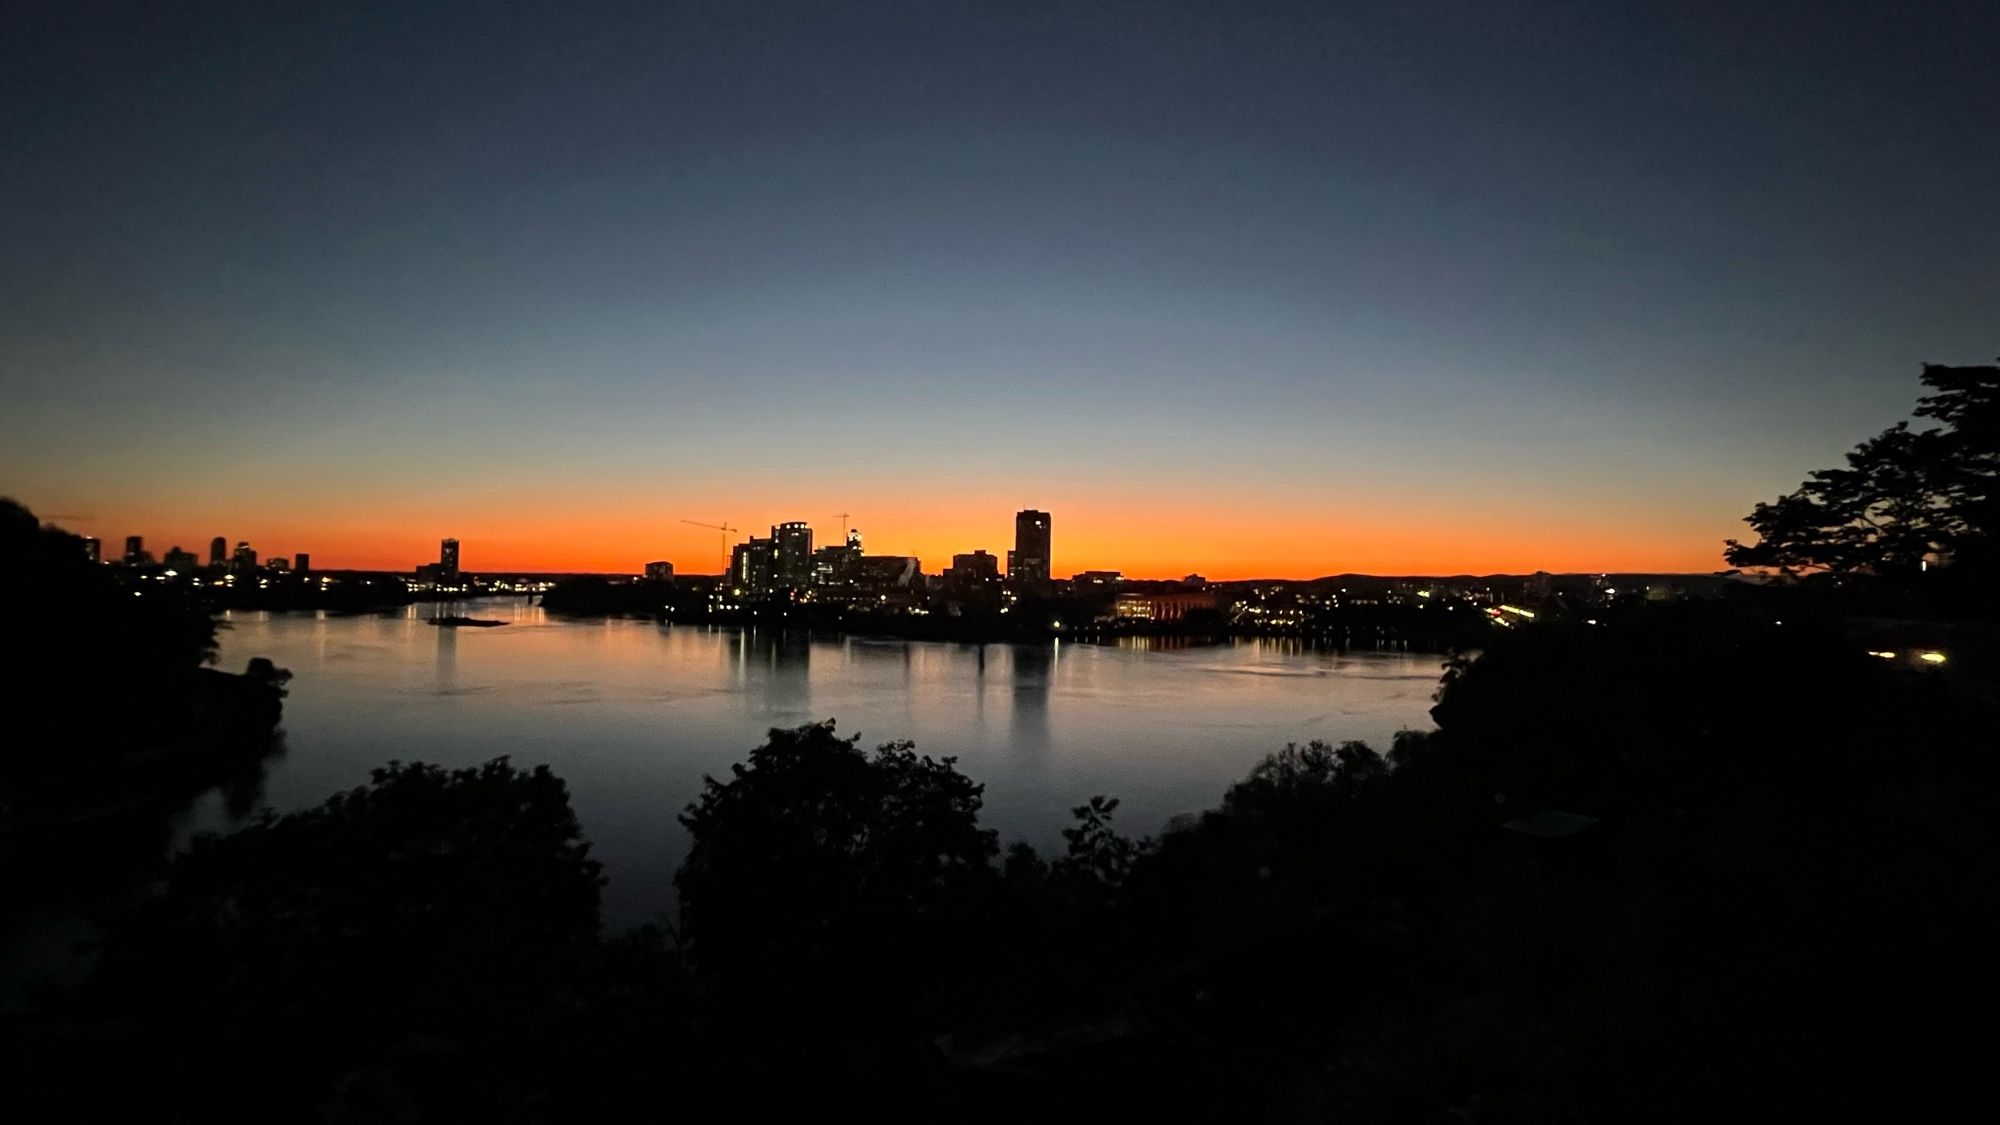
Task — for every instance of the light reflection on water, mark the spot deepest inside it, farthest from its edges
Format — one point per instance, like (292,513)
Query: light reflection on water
(632,714)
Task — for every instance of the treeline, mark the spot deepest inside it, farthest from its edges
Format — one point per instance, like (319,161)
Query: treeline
(292,591)
(1030,619)
(591,596)
(1440,626)
(1702,863)
(114,717)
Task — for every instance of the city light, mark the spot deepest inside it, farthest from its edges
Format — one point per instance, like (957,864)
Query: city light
(1931,657)
(786,573)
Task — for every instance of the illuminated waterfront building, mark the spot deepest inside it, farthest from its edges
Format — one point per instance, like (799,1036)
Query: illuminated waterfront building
(791,555)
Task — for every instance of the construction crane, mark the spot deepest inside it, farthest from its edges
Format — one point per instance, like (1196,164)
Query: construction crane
(726,531)
(844,528)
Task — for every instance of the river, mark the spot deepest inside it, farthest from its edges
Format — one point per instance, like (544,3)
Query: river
(632,714)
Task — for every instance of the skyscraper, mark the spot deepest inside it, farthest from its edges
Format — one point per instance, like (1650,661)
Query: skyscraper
(245,558)
(218,551)
(750,567)
(448,560)
(791,555)
(1028,562)
(93,548)
(302,562)
(135,550)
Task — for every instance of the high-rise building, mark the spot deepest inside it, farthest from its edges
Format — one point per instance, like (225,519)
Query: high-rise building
(1028,562)
(135,550)
(179,559)
(448,560)
(750,567)
(302,562)
(791,555)
(244,558)
(218,551)
(660,571)
(278,562)
(93,548)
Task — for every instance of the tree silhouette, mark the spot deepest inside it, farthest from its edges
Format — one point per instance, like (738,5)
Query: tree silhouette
(430,923)
(117,716)
(1905,497)
(1095,851)
(60,614)
(1297,772)
(820,871)
(589,595)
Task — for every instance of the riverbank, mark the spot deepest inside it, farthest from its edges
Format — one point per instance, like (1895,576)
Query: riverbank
(1042,629)
(77,812)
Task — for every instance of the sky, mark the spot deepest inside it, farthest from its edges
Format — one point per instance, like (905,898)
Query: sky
(1238,288)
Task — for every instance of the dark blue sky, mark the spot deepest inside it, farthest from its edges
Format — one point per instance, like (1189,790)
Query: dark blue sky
(1400,286)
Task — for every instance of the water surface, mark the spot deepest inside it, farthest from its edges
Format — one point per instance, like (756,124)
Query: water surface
(632,714)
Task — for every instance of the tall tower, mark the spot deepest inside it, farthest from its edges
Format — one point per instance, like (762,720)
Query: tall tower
(791,554)
(1028,562)
(750,567)
(448,559)
(135,550)
(93,549)
(218,551)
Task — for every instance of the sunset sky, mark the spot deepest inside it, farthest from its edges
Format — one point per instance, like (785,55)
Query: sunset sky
(1245,289)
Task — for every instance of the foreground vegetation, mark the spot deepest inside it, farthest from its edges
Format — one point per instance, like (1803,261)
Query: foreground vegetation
(115,718)
(1698,861)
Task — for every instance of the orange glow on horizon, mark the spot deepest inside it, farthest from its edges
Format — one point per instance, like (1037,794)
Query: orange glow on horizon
(1159,543)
